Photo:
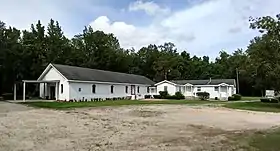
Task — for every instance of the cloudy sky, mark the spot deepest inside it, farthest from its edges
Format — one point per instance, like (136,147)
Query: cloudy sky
(202,27)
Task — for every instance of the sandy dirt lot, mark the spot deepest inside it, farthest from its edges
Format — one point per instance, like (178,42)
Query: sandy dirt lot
(141,128)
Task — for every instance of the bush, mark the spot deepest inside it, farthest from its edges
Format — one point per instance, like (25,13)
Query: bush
(203,95)
(237,97)
(270,100)
(230,98)
(147,96)
(171,97)
(157,96)
(179,96)
(216,98)
(234,97)
(274,100)
(265,100)
(163,94)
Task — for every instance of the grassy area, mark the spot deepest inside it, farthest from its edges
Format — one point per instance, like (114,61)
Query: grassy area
(250,98)
(254,106)
(266,141)
(67,105)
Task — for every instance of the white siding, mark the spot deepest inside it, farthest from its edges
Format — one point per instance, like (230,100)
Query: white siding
(224,91)
(53,74)
(170,88)
(103,90)
(209,89)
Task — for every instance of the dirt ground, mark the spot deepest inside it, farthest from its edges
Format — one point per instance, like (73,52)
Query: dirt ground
(141,128)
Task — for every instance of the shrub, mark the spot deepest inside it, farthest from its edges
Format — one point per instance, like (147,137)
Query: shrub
(236,97)
(230,98)
(216,98)
(157,96)
(147,96)
(270,100)
(179,96)
(171,97)
(274,100)
(203,95)
(163,94)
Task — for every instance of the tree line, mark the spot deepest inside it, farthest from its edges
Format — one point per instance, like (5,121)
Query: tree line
(25,53)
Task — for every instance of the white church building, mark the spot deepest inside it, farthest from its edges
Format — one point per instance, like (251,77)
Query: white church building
(63,82)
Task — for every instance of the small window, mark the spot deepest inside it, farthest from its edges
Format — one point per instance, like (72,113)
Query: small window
(80,89)
(198,88)
(126,89)
(148,89)
(216,88)
(180,90)
(165,88)
(61,88)
(93,88)
(138,89)
(112,89)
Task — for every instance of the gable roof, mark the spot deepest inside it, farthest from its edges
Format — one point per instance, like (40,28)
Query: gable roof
(205,82)
(87,74)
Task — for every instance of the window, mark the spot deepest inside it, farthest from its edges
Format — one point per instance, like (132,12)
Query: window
(180,90)
(93,89)
(126,89)
(216,88)
(138,89)
(80,89)
(198,89)
(61,88)
(165,88)
(112,89)
(148,89)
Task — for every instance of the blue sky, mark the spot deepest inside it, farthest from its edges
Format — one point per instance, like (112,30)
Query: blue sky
(202,27)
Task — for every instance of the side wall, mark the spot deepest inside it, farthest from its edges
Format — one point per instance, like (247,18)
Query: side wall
(103,90)
(170,88)
(53,74)
(209,89)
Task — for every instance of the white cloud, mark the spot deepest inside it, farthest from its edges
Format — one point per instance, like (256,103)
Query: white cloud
(203,29)
(151,8)
(22,13)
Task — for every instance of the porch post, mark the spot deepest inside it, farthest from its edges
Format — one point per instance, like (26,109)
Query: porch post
(15,91)
(44,91)
(220,92)
(23,97)
(56,91)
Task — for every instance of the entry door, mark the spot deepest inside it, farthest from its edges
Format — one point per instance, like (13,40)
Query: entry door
(52,92)
(133,90)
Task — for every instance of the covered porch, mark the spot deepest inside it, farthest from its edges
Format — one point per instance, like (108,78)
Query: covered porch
(152,90)
(48,89)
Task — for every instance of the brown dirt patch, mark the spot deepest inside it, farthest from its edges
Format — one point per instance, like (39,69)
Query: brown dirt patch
(155,127)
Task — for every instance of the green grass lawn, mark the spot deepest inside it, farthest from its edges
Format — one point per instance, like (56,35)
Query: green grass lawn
(255,106)
(68,105)
(266,141)
(250,98)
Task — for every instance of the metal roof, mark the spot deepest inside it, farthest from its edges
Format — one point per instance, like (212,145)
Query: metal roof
(87,74)
(205,82)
